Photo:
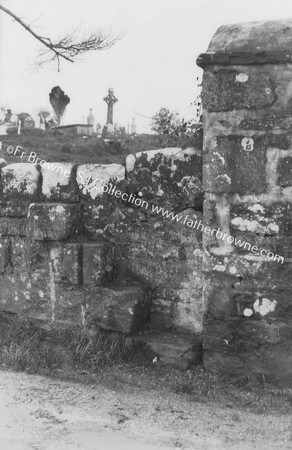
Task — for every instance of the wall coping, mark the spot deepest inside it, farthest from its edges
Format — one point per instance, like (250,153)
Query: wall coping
(268,42)
(243,58)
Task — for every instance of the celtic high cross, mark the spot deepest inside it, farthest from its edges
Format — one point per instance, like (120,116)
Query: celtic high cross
(110,99)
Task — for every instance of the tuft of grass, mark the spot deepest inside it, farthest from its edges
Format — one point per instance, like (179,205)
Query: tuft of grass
(26,347)
(104,348)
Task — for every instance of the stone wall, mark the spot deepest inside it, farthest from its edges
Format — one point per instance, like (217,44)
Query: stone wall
(81,245)
(247,173)
(125,257)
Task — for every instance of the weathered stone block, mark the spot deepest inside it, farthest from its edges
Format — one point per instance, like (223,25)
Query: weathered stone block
(162,308)
(246,347)
(12,208)
(161,312)
(99,216)
(236,164)
(254,39)
(42,299)
(227,90)
(285,172)
(270,122)
(29,258)
(21,179)
(281,141)
(161,256)
(53,221)
(258,219)
(268,306)
(248,289)
(26,287)
(239,335)
(188,310)
(11,226)
(69,307)
(178,350)
(271,363)
(124,310)
(241,227)
(31,284)
(97,263)
(170,176)
(59,182)
(92,177)
(67,261)
(283,247)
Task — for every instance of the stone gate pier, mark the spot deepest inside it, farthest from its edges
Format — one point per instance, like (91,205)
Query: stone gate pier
(247,179)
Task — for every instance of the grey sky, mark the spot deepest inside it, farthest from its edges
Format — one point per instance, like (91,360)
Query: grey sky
(152,66)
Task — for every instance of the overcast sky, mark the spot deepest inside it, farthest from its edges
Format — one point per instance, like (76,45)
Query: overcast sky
(153,65)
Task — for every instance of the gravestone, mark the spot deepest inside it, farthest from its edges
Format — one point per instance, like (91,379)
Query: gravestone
(91,118)
(108,129)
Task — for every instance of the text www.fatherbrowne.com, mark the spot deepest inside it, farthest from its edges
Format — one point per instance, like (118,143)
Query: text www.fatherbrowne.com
(198,225)
(186,220)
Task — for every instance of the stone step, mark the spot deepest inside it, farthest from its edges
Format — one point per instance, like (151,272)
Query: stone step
(178,350)
(121,309)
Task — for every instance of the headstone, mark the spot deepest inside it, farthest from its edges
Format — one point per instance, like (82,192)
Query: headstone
(8,115)
(91,118)
(3,130)
(133,127)
(2,116)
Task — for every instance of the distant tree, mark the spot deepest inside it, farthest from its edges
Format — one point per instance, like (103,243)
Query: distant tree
(26,120)
(170,124)
(98,128)
(68,47)
(22,116)
(165,121)
(119,132)
(59,100)
(48,119)
(44,114)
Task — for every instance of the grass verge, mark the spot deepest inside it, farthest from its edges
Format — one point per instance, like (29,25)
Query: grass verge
(104,358)
(54,146)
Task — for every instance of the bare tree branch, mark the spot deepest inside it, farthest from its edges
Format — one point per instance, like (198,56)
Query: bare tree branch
(69,47)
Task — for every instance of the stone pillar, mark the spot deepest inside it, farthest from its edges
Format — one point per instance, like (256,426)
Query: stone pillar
(247,173)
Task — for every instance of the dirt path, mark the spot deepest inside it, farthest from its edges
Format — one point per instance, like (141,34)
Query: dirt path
(44,414)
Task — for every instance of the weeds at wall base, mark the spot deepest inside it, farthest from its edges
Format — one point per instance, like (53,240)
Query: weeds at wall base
(26,347)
